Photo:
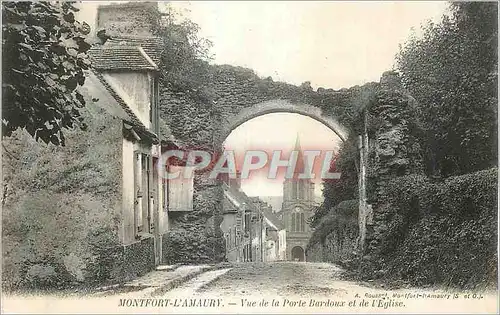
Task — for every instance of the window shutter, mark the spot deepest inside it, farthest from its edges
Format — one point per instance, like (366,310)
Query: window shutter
(180,191)
(165,185)
(151,193)
(138,190)
(145,192)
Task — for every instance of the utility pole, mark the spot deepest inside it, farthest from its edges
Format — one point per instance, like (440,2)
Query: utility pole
(363,157)
(241,251)
(250,229)
(261,218)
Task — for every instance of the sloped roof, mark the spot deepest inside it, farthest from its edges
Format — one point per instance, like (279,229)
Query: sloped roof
(94,93)
(132,58)
(228,206)
(151,45)
(269,214)
(242,197)
(127,53)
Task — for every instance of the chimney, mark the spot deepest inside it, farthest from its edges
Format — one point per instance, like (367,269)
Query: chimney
(127,19)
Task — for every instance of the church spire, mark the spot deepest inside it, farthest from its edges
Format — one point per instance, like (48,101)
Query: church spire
(300,165)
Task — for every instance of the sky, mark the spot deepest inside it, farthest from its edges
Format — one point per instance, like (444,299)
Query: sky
(332,44)
(335,44)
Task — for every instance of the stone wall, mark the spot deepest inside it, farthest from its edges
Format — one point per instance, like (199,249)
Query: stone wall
(338,247)
(133,18)
(394,151)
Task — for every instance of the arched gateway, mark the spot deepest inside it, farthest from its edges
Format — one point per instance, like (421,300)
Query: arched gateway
(239,96)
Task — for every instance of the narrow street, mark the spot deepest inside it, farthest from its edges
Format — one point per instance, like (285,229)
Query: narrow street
(264,288)
(279,279)
(299,287)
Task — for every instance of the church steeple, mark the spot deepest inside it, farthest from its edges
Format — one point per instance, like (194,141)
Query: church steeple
(300,165)
(296,188)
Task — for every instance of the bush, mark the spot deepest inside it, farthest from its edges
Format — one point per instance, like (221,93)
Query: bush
(49,240)
(343,216)
(192,244)
(440,233)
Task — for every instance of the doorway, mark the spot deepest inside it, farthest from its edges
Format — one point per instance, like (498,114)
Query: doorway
(298,254)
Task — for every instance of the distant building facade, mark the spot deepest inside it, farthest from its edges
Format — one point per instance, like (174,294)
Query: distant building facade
(254,232)
(251,230)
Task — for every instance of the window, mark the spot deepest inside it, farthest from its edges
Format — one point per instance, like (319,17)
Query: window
(248,217)
(235,238)
(302,223)
(298,221)
(293,190)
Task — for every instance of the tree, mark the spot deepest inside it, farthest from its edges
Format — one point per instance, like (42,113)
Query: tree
(185,55)
(452,72)
(337,190)
(44,58)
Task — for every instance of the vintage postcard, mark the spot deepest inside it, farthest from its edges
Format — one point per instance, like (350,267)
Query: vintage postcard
(249,157)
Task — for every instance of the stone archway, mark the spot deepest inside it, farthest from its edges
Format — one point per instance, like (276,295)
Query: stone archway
(298,254)
(238,95)
(231,120)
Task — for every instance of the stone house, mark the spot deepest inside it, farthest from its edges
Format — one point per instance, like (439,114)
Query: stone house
(235,226)
(274,232)
(96,210)
(124,81)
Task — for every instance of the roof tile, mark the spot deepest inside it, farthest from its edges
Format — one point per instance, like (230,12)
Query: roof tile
(120,58)
(151,45)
